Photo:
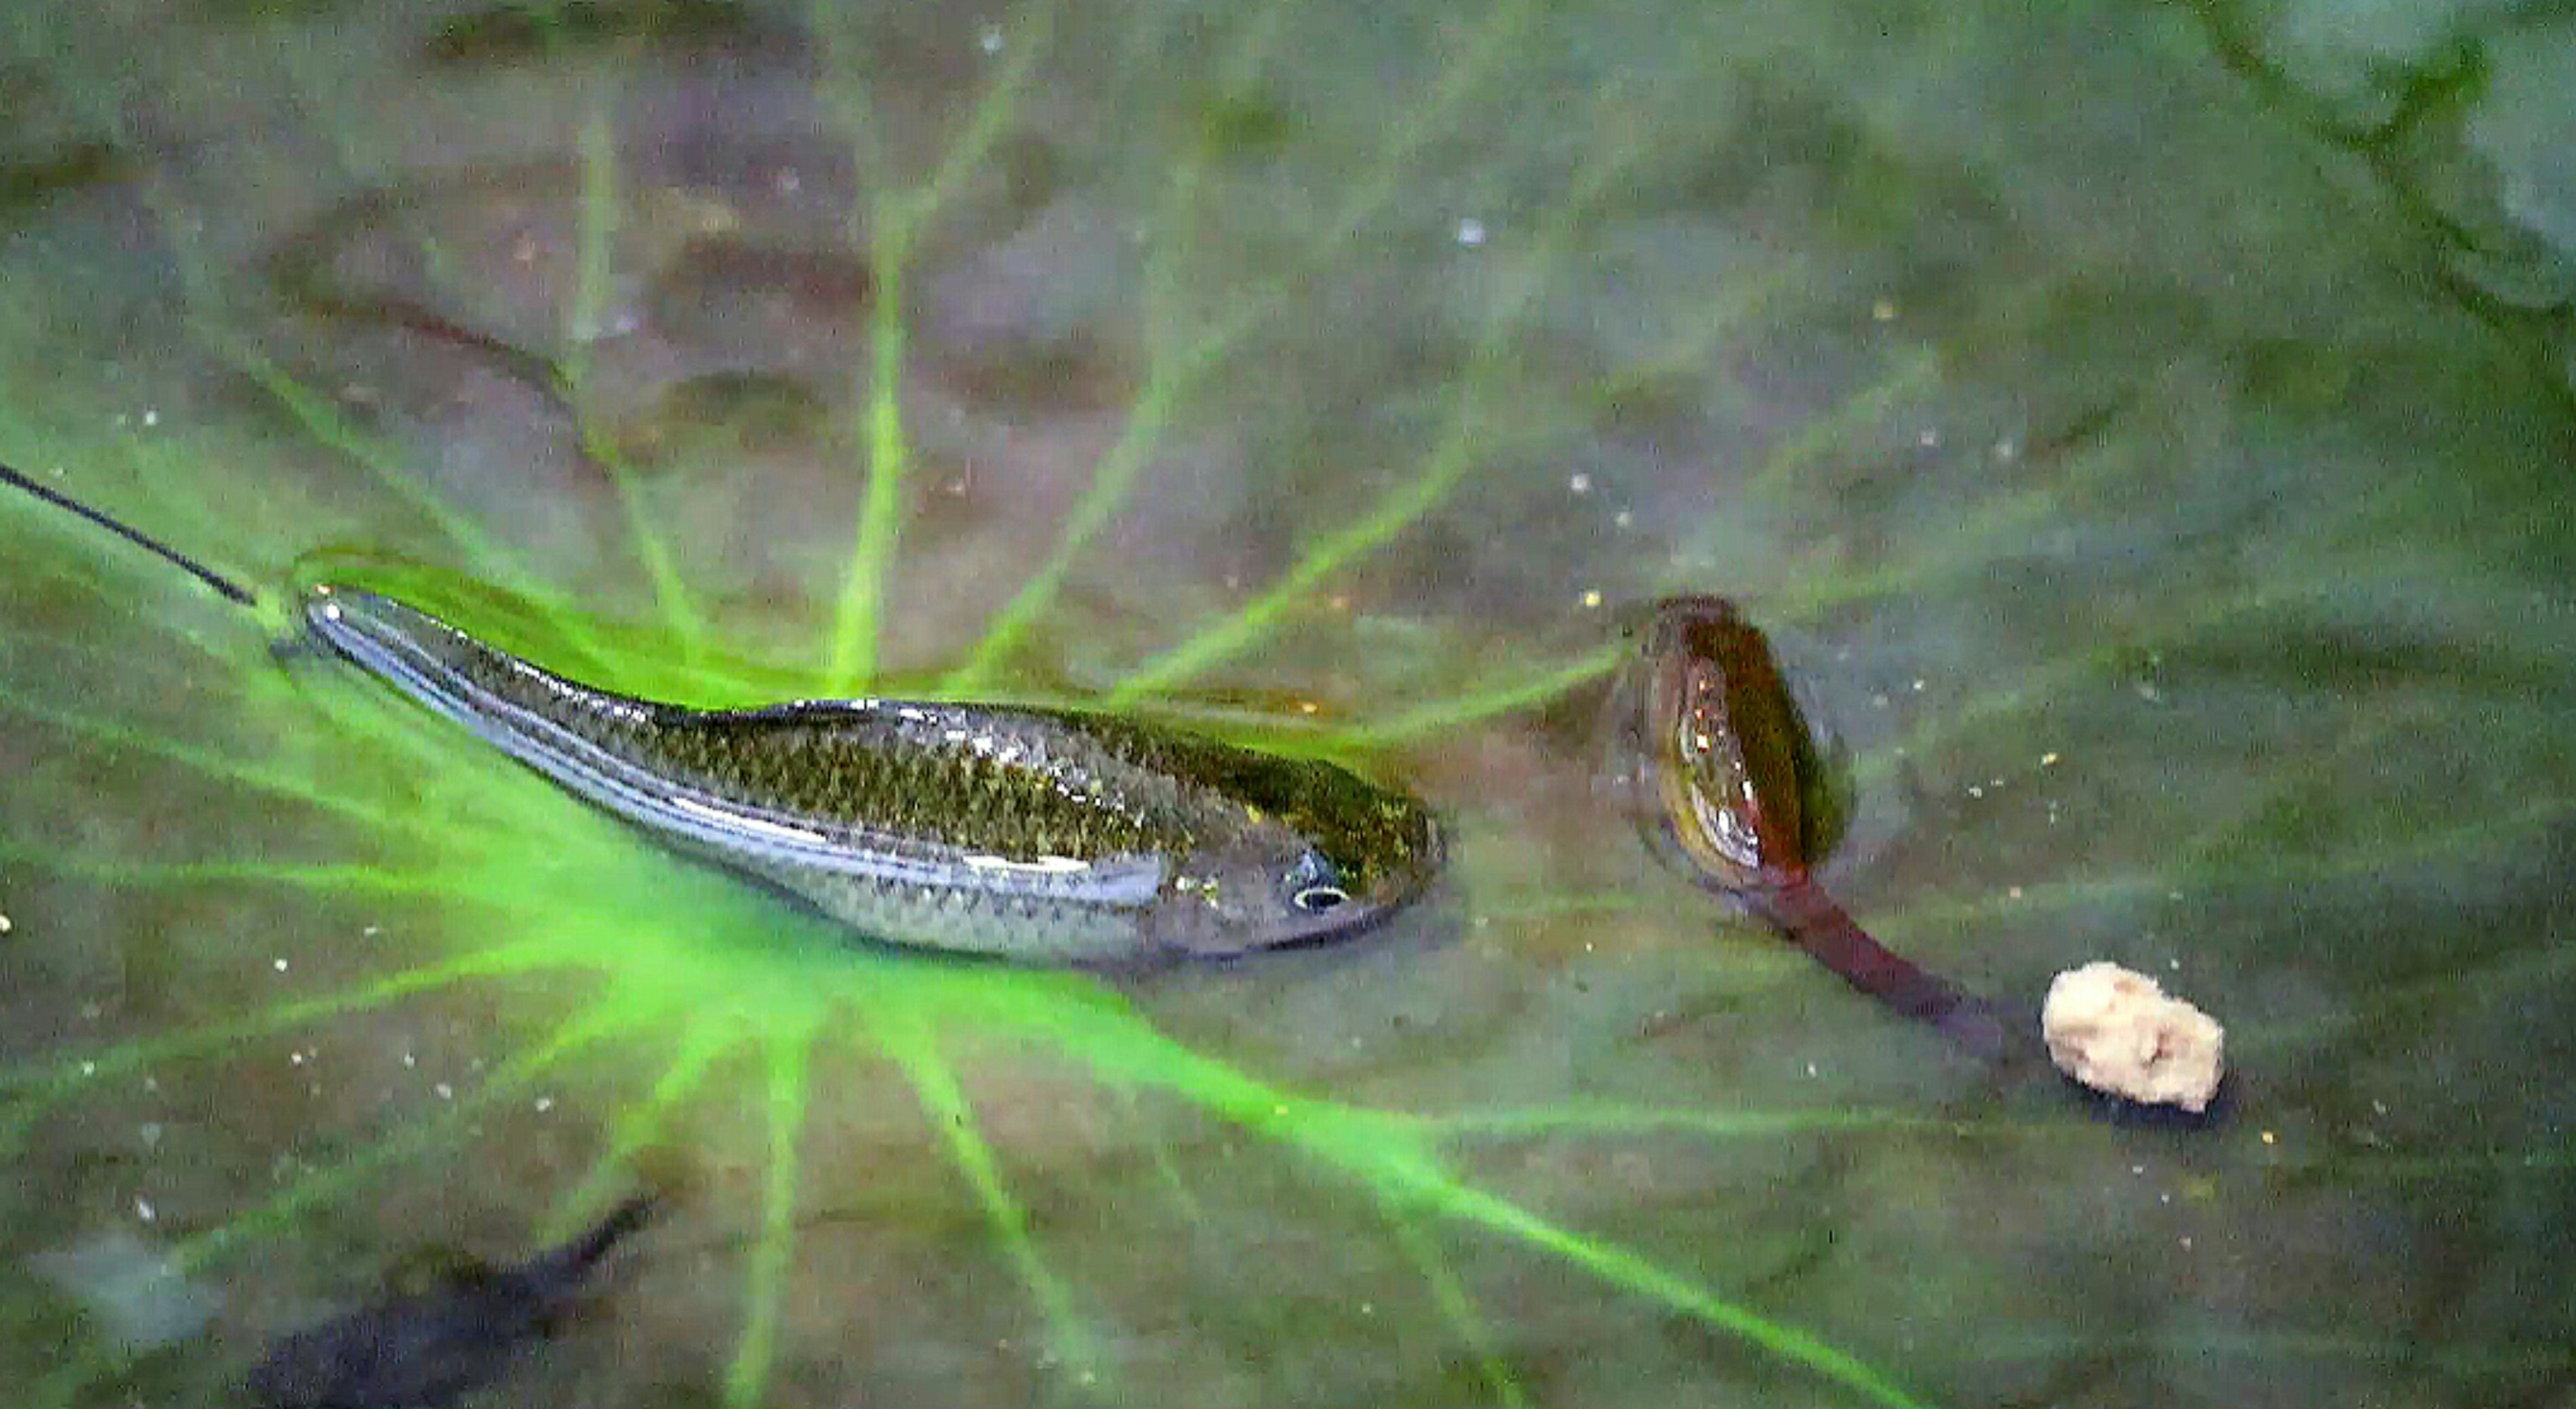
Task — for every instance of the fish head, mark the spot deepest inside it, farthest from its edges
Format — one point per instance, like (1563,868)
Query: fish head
(1315,853)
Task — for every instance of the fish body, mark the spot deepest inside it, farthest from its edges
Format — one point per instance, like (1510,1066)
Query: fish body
(1041,835)
(427,1350)
(1046,836)
(1726,779)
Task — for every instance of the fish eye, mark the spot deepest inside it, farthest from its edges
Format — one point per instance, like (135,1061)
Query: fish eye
(1316,899)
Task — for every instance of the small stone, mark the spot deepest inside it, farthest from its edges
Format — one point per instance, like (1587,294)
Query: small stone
(2118,1032)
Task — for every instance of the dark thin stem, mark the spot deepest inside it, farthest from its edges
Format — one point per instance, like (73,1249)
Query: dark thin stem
(231,590)
(1820,926)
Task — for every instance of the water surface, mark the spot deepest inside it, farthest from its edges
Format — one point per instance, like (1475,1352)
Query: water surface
(2146,424)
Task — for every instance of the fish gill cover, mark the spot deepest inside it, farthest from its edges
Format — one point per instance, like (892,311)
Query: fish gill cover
(2161,483)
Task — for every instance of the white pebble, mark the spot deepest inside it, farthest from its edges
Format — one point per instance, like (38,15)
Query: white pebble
(2117,1031)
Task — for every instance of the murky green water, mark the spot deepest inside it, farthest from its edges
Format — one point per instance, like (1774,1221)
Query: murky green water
(2147,425)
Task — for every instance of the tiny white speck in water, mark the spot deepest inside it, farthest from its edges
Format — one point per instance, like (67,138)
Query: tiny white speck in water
(545,1104)
(1918,685)
(409,1060)
(1579,483)
(149,1132)
(1883,311)
(143,1209)
(2048,760)
(295,1059)
(2012,892)
(2006,451)
(1625,518)
(1927,438)
(991,39)
(278,964)
(445,1092)
(1811,1069)
(371,931)
(89,1068)
(1975,790)
(1471,232)
(151,419)
(1591,597)
(152,1083)
(4,924)
(1368,1308)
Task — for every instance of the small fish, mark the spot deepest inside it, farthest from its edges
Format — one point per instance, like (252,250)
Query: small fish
(429,1349)
(1727,778)
(1043,835)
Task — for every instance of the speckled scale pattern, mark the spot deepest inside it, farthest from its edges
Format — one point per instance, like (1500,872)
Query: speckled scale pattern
(936,776)
(961,776)
(1052,835)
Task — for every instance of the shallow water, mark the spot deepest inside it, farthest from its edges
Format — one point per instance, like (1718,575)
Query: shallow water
(2146,423)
